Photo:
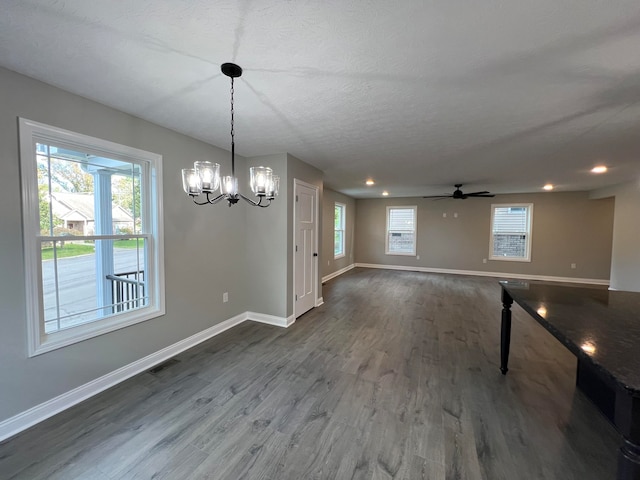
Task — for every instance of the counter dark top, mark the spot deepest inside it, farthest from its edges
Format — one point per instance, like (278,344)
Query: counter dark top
(598,325)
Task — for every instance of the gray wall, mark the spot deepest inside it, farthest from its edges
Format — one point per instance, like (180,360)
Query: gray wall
(204,249)
(567,228)
(270,243)
(297,169)
(266,245)
(329,264)
(625,255)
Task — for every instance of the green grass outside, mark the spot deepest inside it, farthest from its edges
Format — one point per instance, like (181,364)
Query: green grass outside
(75,249)
(129,243)
(69,250)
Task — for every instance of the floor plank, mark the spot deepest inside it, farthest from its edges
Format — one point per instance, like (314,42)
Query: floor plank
(394,377)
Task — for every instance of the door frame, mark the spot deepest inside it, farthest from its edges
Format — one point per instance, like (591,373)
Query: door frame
(297,182)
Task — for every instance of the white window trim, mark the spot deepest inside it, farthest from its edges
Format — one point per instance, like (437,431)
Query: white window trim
(344,233)
(415,231)
(529,236)
(38,341)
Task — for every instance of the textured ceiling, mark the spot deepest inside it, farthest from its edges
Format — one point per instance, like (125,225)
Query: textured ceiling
(498,95)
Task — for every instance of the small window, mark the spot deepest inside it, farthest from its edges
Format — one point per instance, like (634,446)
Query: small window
(92,235)
(401,231)
(338,226)
(511,232)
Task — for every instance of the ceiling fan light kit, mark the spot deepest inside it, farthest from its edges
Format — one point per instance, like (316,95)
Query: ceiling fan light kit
(204,178)
(460,195)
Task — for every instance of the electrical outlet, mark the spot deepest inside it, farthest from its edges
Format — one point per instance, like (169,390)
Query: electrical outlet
(444,215)
(573,265)
(455,215)
(417,257)
(225,297)
(484,260)
(328,262)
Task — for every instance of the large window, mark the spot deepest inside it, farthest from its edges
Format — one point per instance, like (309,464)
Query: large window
(401,231)
(511,232)
(92,225)
(338,226)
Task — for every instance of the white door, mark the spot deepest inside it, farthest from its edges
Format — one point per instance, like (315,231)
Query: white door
(305,249)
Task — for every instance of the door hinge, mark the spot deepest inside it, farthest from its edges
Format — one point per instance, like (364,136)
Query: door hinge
(296,298)
(296,248)
(296,198)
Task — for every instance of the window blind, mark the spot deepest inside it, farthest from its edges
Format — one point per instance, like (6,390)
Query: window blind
(401,220)
(510,220)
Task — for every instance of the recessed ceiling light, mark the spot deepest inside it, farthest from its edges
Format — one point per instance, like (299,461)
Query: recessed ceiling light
(599,169)
(385,194)
(548,186)
(370,182)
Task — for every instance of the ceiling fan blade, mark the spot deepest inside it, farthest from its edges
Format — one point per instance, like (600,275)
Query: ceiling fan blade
(438,196)
(480,195)
(477,193)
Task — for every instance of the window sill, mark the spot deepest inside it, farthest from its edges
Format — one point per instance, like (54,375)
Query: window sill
(336,257)
(64,338)
(511,259)
(401,254)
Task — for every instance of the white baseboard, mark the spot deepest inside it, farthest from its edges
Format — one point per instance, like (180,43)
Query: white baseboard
(547,278)
(319,301)
(271,319)
(338,272)
(37,414)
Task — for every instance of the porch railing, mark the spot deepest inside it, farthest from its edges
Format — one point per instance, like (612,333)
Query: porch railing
(128,290)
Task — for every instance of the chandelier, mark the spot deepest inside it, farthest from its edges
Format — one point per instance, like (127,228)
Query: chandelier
(204,178)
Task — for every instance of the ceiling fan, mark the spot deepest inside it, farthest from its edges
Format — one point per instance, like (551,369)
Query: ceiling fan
(460,195)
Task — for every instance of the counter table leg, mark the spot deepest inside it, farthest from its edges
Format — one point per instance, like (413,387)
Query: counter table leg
(629,461)
(627,421)
(505,335)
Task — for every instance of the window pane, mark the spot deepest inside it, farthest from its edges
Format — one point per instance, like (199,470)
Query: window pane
(505,245)
(70,180)
(80,286)
(401,219)
(338,242)
(510,220)
(128,283)
(69,284)
(401,242)
(338,222)
(127,205)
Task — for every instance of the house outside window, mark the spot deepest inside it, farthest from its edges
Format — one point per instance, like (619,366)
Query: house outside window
(401,230)
(511,232)
(93,243)
(338,225)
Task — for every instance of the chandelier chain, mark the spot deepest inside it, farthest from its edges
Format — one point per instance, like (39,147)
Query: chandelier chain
(232,122)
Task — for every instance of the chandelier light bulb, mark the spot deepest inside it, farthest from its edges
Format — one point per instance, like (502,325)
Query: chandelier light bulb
(209,175)
(260,178)
(273,187)
(191,182)
(229,185)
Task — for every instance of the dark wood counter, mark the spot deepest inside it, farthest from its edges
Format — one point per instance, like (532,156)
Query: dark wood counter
(602,329)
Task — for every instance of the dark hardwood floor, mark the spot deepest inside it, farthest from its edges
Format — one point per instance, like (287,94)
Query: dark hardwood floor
(395,376)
